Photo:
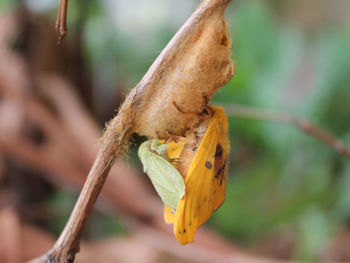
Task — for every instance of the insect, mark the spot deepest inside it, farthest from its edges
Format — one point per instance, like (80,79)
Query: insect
(167,181)
(205,180)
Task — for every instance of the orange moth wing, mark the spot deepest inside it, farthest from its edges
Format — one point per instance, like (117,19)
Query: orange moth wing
(205,180)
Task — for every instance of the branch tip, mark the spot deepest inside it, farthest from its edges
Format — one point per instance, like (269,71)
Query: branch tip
(61,23)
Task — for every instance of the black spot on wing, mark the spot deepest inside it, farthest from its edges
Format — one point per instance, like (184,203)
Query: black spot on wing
(208,164)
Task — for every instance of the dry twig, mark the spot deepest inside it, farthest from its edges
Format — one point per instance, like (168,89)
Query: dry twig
(304,125)
(61,22)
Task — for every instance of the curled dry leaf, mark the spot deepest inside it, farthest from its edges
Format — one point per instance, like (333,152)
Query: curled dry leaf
(194,65)
(172,95)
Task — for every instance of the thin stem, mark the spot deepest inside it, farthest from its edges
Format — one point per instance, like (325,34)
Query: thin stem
(61,23)
(304,125)
(67,244)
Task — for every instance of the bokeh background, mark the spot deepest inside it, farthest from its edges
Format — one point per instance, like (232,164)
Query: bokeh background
(288,194)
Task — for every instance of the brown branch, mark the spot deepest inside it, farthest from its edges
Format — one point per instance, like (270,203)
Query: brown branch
(67,134)
(68,243)
(304,125)
(118,191)
(72,132)
(61,22)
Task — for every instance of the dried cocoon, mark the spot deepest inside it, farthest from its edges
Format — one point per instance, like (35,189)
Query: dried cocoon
(179,84)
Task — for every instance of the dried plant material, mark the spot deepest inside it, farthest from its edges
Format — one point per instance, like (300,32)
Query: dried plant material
(303,124)
(61,22)
(172,95)
(205,175)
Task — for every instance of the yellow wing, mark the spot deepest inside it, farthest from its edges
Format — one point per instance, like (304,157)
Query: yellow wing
(205,180)
(169,215)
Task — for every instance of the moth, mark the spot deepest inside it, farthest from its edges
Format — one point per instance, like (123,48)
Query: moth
(205,178)
(166,180)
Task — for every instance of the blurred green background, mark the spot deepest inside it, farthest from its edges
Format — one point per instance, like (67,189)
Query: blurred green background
(285,188)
